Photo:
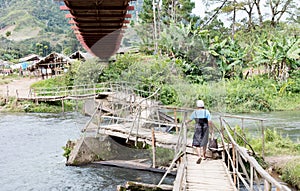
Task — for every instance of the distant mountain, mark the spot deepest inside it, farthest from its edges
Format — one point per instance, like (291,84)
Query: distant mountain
(34,26)
(39,27)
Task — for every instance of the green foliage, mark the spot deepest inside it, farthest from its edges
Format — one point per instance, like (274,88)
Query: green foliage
(291,173)
(67,152)
(239,134)
(230,57)
(235,95)
(168,95)
(114,70)
(87,72)
(163,156)
(275,144)
(50,83)
(168,12)
(49,107)
(295,82)
(253,94)
(34,22)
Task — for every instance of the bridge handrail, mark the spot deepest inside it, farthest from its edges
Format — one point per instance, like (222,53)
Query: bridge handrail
(239,154)
(234,162)
(87,88)
(180,152)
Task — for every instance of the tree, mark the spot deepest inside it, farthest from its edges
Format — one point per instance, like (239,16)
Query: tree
(7,34)
(257,5)
(146,15)
(177,10)
(248,7)
(278,55)
(278,8)
(230,57)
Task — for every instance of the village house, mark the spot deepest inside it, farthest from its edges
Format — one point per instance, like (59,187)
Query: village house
(51,65)
(5,68)
(26,63)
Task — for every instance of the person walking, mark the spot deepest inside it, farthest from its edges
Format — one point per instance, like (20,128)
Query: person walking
(203,122)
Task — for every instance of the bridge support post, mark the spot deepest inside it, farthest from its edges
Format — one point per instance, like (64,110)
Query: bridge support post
(263,139)
(62,105)
(153,149)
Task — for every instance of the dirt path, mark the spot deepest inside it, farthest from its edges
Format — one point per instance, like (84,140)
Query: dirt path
(20,86)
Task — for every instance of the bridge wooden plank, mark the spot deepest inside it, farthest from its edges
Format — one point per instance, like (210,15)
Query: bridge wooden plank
(208,175)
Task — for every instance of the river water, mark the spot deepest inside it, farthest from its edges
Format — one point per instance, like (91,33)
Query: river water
(31,153)
(31,156)
(286,123)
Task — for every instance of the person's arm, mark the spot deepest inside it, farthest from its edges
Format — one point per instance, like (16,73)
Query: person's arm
(188,121)
(191,118)
(210,123)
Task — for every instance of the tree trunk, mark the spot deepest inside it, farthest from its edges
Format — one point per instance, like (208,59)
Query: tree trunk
(273,13)
(233,19)
(283,10)
(257,4)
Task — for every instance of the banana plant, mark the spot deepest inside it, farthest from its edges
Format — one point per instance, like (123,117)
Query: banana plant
(279,55)
(229,57)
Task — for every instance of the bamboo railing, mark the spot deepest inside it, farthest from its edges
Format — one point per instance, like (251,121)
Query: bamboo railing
(237,157)
(129,108)
(234,157)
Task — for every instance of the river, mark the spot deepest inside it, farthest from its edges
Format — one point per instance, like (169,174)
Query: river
(286,123)
(31,156)
(31,153)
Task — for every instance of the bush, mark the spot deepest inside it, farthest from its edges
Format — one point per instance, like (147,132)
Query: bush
(275,144)
(291,173)
(168,95)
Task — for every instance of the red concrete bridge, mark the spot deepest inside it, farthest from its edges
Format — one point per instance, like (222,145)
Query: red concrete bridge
(98,24)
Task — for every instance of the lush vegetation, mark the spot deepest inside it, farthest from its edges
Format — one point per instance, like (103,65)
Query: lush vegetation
(290,172)
(276,145)
(253,65)
(282,149)
(31,26)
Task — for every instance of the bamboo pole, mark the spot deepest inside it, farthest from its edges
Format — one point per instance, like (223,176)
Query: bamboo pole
(62,105)
(263,139)
(138,124)
(251,178)
(175,118)
(234,164)
(153,149)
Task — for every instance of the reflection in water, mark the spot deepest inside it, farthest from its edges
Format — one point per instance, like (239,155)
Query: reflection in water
(31,156)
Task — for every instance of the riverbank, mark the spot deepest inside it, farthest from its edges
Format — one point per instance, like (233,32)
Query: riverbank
(14,87)
(285,168)
(20,86)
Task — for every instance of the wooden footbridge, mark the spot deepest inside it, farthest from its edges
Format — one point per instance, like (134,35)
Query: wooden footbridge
(137,116)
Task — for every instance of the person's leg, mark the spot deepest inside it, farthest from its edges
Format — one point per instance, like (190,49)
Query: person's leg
(204,152)
(199,155)
(198,151)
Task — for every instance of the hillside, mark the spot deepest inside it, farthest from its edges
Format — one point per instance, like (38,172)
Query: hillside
(31,26)
(39,27)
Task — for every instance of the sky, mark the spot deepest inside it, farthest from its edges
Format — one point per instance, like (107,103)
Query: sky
(200,10)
